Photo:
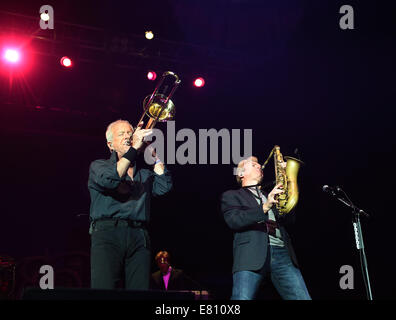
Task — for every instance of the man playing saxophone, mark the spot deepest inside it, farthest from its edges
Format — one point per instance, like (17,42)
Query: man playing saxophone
(261,243)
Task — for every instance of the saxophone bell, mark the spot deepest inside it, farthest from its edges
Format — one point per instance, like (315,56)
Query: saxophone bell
(288,178)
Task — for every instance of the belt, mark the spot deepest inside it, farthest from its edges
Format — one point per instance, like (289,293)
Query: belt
(267,227)
(120,222)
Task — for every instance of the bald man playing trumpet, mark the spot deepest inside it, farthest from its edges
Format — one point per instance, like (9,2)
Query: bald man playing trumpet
(120,209)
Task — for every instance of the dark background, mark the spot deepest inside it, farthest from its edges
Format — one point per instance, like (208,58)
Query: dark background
(282,68)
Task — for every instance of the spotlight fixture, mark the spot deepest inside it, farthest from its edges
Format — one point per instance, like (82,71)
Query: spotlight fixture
(66,62)
(199,82)
(12,55)
(149,35)
(151,75)
(45,16)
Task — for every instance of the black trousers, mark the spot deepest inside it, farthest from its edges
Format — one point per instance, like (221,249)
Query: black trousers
(117,249)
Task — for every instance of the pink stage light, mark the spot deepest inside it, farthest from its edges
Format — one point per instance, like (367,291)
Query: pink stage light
(199,82)
(66,62)
(151,75)
(12,55)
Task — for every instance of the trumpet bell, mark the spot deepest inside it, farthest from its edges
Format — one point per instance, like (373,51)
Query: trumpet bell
(159,107)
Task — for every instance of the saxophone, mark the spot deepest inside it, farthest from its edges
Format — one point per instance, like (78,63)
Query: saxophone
(288,178)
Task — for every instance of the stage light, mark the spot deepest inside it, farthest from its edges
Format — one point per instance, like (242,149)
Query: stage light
(149,35)
(199,82)
(11,55)
(66,62)
(44,16)
(151,75)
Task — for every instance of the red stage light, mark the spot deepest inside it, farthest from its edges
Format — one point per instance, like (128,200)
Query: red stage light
(66,62)
(199,82)
(12,55)
(15,56)
(151,75)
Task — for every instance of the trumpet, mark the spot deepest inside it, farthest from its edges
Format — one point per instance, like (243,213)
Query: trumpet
(159,106)
(288,178)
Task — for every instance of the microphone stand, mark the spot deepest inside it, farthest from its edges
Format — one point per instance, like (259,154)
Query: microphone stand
(358,237)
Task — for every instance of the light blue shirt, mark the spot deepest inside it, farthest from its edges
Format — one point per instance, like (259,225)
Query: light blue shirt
(277,240)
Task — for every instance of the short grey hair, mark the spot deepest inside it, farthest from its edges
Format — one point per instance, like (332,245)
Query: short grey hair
(241,168)
(109,130)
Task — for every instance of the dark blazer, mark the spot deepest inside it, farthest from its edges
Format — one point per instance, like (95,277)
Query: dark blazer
(178,280)
(242,213)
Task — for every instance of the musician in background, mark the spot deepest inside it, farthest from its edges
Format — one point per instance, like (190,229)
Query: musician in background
(120,209)
(170,278)
(261,243)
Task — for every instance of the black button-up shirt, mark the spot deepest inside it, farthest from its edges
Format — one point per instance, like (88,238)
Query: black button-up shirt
(123,198)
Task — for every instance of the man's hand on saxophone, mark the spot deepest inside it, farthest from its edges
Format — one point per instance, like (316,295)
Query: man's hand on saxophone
(278,189)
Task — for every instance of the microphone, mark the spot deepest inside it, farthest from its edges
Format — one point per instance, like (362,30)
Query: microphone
(334,190)
(331,190)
